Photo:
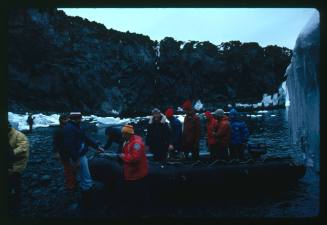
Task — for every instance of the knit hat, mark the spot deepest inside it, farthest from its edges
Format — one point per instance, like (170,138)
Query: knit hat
(169,112)
(233,112)
(187,105)
(155,110)
(127,129)
(75,115)
(219,112)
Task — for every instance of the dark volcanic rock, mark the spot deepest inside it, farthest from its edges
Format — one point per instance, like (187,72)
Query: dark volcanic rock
(62,63)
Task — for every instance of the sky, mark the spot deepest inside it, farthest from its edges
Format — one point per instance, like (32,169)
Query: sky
(267,26)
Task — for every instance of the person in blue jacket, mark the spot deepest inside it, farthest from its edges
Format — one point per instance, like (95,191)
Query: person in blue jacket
(239,136)
(76,143)
(176,132)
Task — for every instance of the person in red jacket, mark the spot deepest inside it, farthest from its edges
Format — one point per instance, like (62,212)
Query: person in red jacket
(212,126)
(135,172)
(191,132)
(222,134)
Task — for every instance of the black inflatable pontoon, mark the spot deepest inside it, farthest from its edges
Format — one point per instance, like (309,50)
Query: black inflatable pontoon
(171,175)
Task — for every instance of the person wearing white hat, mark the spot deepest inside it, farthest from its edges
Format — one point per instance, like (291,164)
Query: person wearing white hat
(222,134)
(76,142)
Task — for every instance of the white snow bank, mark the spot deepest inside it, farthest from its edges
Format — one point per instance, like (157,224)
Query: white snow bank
(40,120)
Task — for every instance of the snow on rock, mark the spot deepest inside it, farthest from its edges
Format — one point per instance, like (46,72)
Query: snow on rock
(195,44)
(40,120)
(198,105)
(157,50)
(304,92)
(182,45)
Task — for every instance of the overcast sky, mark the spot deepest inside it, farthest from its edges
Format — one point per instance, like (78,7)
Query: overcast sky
(267,26)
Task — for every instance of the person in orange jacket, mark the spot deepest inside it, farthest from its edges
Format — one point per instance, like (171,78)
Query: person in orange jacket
(222,134)
(135,171)
(212,126)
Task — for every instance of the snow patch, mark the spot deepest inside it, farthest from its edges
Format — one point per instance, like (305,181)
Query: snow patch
(157,50)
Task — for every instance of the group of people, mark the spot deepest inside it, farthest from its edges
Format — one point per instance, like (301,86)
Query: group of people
(226,137)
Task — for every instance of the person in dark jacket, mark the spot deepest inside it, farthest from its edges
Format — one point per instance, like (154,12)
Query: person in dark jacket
(76,142)
(222,134)
(60,153)
(239,136)
(191,131)
(176,132)
(158,138)
(30,122)
(114,136)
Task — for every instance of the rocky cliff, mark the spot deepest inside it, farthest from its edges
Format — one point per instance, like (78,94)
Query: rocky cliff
(62,63)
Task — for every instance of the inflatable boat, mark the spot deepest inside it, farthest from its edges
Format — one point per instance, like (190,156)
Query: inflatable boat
(178,175)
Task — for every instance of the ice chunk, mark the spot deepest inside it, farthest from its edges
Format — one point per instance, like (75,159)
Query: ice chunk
(198,105)
(266,100)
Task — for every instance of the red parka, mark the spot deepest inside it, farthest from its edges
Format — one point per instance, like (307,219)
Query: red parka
(191,133)
(135,161)
(212,126)
(223,132)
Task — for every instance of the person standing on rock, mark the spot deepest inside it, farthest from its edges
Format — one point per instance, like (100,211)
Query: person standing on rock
(60,153)
(76,142)
(239,136)
(222,134)
(158,138)
(191,131)
(30,122)
(176,132)
(212,126)
(135,172)
(19,144)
